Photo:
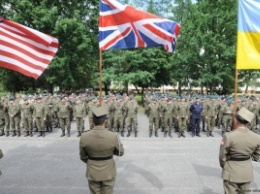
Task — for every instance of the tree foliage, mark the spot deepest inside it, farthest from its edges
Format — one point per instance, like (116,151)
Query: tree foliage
(206,25)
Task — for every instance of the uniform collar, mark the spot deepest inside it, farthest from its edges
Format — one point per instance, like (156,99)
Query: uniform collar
(242,129)
(99,127)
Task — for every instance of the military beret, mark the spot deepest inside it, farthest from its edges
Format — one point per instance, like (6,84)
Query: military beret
(11,98)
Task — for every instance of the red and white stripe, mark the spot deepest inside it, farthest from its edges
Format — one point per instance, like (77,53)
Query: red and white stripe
(25,50)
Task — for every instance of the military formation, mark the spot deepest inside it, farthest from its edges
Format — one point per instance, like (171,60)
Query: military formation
(175,114)
(166,113)
(41,113)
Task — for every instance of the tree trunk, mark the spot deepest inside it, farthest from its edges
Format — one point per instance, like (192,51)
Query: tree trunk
(138,92)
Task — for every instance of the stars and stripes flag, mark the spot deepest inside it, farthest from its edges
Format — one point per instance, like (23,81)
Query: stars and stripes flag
(123,26)
(25,50)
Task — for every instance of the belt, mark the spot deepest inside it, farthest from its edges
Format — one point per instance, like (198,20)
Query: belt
(100,158)
(238,159)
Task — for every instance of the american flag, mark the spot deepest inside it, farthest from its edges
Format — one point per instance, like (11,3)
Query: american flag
(123,26)
(25,50)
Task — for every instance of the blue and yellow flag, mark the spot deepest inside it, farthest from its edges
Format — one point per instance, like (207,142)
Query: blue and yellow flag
(248,35)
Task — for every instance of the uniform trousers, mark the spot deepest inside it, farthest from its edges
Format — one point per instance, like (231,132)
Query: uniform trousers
(101,187)
(195,125)
(236,188)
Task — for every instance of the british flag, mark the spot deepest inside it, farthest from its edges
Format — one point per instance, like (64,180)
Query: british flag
(123,27)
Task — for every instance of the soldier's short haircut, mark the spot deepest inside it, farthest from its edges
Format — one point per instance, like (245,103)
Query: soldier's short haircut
(99,121)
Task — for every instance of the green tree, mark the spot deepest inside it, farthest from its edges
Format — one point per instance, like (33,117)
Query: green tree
(74,23)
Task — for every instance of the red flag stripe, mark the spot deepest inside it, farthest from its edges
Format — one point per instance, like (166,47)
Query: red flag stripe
(28,43)
(19,69)
(20,50)
(23,61)
(25,50)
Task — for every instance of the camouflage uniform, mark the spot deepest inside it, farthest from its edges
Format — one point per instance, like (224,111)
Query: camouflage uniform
(3,111)
(14,117)
(79,112)
(168,110)
(182,116)
(131,112)
(39,115)
(153,110)
(64,111)
(210,109)
(27,111)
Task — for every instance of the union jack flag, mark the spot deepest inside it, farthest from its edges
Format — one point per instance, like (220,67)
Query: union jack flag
(123,26)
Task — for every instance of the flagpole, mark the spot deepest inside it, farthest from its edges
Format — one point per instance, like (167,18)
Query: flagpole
(235,97)
(100,76)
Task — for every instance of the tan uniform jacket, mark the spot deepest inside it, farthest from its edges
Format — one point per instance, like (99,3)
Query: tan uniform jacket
(99,142)
(241,143)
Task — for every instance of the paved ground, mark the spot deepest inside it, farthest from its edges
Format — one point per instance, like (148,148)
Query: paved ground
(51,165)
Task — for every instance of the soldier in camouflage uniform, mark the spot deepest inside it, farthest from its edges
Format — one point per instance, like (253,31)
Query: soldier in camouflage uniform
(210,109)
(3,111)
(79,113)
(182,116)
(48,105)
(168,111)
(227,117)
(119,110)
(131,112)
(253,107)
(39,116)
(92,104)
(27,111)
(64,111)
(14,116)
(7,120)
(153,110)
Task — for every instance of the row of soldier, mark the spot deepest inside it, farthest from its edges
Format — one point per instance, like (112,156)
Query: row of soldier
(45,111)
(166,112)
(170,113)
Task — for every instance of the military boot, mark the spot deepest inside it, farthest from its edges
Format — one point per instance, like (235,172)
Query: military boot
(163,129)
(79,134)
(7,133)
(122,133)
(14,134)
(156,134)
(182,134)
(68,133)
(26,134)
(19,133)
(165,133)
(31,134)
(50,129)
(63,133)
(211,134)
(179,135)
(150,134)
(43,134)
(128,133)
(135,133)
(170,134)
(40,134)
(47,129)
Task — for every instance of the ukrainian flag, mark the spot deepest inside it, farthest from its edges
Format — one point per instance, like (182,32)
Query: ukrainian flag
(248,35)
